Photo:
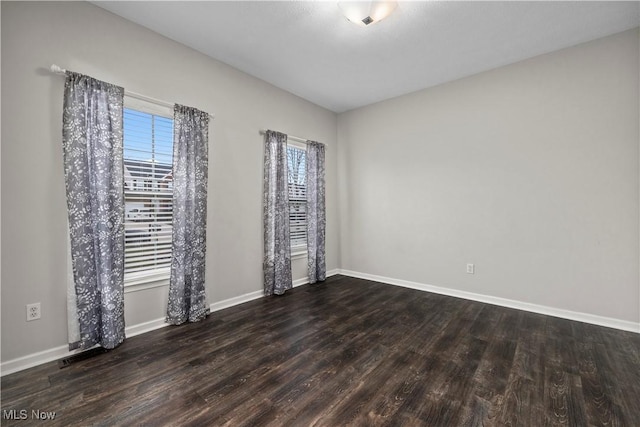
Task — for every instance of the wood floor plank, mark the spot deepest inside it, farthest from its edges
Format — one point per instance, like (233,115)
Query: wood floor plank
(348,352)
(523,402)
(493,372)
(563,399)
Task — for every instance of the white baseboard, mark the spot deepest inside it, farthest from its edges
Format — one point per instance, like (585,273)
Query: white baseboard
(305,280)
(141,328)
(41,357)
(240,299)
(35,359)
(609,322)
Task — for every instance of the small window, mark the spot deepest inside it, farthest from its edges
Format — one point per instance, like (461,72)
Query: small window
(148,155)
(297,183)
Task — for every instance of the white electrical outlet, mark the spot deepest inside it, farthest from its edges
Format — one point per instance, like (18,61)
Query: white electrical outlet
(471,269)
(33,311)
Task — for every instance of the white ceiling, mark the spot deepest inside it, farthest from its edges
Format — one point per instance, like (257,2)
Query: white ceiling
(311,50)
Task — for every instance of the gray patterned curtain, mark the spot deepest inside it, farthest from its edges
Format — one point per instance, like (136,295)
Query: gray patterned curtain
(316,222)
(93,169)
(277,246)
(187,298)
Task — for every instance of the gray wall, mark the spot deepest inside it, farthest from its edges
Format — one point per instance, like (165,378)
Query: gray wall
(529,171)
(87,39)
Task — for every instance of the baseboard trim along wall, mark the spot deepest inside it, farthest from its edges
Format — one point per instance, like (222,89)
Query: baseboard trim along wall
(503,302)
(35,359)
(56,353)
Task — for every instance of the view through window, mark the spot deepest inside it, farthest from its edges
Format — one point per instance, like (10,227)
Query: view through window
(148,191)
(296,163)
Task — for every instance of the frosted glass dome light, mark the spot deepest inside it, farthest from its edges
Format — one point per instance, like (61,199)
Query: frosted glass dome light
(364,13)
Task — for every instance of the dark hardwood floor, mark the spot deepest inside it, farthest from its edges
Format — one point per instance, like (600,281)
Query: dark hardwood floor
(348,352)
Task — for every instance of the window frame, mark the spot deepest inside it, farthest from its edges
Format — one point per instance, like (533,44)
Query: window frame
(298,251)
(137,281)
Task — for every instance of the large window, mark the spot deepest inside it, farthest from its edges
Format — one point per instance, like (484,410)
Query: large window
(148,191)
(296,162)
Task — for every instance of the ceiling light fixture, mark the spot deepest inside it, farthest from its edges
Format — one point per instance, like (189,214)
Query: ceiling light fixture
(364,13)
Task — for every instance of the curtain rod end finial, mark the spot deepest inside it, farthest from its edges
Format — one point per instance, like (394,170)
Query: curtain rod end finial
(57,69)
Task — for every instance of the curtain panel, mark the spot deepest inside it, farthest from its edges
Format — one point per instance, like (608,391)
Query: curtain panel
(187,297)
(316,222)
(93,168)
(277,245)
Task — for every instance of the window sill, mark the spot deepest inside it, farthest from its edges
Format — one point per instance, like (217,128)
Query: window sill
(139,282)
(299,254)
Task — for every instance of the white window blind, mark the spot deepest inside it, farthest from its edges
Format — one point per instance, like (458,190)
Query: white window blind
(148,192)
(296,165)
